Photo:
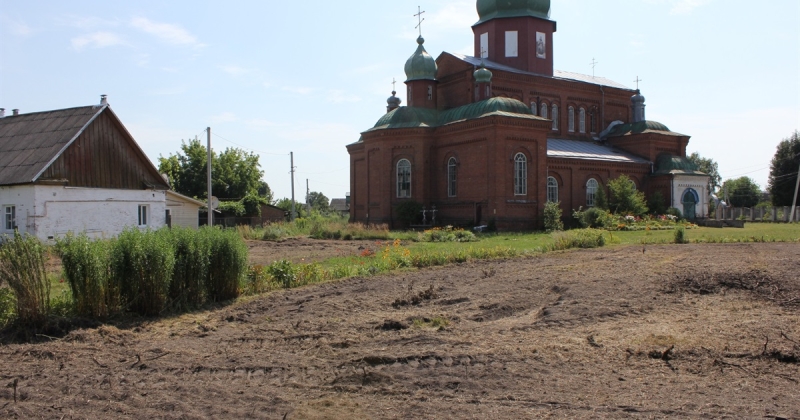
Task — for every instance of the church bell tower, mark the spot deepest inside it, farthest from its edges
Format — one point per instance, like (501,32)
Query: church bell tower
(517,33)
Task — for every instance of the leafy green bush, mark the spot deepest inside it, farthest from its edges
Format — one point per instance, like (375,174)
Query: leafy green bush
(593,217)
(22,261)
(7,304)
(657,203)
(227,263)
(624,198)
(86,267)
(447,234)
(142,264)
(552,217)
(579,238)
(284,272)
(679,236)
(672,211)
(409,212)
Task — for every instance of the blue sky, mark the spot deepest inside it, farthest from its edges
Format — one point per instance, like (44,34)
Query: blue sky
(308,76)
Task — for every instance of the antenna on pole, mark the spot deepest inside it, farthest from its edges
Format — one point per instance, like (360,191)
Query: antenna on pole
(420,18)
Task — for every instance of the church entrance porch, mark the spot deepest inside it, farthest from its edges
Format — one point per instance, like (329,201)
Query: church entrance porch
(690,200)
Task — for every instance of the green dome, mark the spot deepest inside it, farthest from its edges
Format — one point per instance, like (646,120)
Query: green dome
(483,75)
(420,66)
(493,9)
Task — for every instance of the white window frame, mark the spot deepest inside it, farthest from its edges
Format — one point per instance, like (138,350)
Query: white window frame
(552,189)
(512,44)
(484,45)
(144,215)
(591,191)
(9,217)
(452,177)
(403,173)
(554,114)
(571,119)
(520,174)
(582,120)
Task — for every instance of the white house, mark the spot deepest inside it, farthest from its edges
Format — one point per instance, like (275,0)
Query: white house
(76,170)
(183,211)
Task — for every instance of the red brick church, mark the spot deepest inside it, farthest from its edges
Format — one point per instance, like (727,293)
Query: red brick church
(498,134)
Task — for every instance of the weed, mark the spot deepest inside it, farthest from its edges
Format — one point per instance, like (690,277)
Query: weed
(283,272)
(22,268)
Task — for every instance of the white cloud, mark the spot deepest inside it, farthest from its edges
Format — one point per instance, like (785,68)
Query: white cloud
(169,33)
(682,7)
(224,117)
(96,40)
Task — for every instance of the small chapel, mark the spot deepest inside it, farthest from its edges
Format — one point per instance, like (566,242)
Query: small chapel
(494,136)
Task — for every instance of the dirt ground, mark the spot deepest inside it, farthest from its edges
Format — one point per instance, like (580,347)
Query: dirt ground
(677,331)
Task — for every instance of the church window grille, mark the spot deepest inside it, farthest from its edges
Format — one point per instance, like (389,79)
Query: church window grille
(591,192)
(582,120)
(403,178)
(552,190)
(544,110)
(520,174)
(555,117)
(451,177)
(571,119)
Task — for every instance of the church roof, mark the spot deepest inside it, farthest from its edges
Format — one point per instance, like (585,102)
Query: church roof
(494,9)
(639,128)
(586,150)
(557,74)
(420,66)
(676,165)
(412,117)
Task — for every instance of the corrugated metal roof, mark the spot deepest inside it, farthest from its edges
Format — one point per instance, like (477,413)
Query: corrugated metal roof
(30,142)
(576,149)
(558,74)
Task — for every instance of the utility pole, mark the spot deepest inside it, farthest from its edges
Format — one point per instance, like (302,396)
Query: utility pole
(794,202)
(208,180)
(308,193)
(291,162)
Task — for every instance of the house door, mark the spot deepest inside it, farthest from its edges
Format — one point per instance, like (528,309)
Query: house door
(690,200)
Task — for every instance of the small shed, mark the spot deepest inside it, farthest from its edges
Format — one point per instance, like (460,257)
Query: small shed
(182,211)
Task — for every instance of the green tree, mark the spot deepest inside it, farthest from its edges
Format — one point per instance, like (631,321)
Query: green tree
(783,171)
(265,191)
(708,166)
(624,198)
(319,202)
(743,192)
(235,173)
(286,205)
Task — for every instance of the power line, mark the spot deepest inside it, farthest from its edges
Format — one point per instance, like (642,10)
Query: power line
(252,150)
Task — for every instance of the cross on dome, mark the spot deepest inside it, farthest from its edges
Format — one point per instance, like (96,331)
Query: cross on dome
(420,19)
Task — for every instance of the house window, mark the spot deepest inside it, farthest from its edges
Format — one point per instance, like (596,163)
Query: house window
(544,110)
(9,217)
(144,211)
(534,108)
(571,119)
(555,117)
(591,192)
(582,120)
(520,174)
(403,178)
(511,43)
(451,177)
(552,190)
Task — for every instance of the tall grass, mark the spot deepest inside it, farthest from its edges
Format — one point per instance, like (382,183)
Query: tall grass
(227,267)
(142,263)
(85,264)
(22,267)
(192,256)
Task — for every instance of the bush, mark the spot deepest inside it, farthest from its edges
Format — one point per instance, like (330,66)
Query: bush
(552,217)
(593,217)
(284,272)
(22,261)
(624,198)
(580,238)
(672,211)
(192,257)
(86,267)
(447,234)
(227,263)
(657,203)
(142,265)
(409,212)
(679,236)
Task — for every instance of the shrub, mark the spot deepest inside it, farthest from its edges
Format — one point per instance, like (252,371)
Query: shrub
(408,212)
(657,203)
(227,263)
(624,198)
(679,236)
(142,264)
(579,238)
(22,261)
(284,272)
(593,217)
(192,258)
(86,268)
(672,211)
(447,234)
(552,217)
(258,280)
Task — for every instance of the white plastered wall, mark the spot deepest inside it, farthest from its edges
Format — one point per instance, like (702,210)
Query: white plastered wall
(681,183)
(184,213)
(51,211)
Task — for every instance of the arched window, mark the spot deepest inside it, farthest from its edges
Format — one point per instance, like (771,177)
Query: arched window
(403,178)
(591,191)
(555,117)
(633,184)
(451,177)
(520,174)
(571,119)
(582,120)
(544,110)
(534,108)
(552,189)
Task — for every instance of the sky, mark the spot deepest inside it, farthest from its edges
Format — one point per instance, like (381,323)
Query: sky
(309,76)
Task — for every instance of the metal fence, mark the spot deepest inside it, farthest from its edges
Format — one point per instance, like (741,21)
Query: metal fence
(758,214)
